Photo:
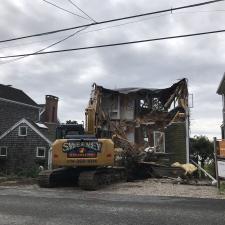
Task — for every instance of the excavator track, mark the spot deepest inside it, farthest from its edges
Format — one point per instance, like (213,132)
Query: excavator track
(87,179)
(93,180)
(57,177)
(44,179)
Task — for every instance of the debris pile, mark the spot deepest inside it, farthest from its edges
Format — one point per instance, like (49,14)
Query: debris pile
(149,125)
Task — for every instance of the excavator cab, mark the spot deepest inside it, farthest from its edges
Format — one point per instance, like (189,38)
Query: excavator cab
(68,131)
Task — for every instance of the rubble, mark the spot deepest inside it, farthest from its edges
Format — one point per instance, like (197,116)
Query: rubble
(148,124)
(188,167)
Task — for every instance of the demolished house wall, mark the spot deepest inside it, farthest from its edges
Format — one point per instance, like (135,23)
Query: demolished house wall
(175,141)
(148,118)
(127,107)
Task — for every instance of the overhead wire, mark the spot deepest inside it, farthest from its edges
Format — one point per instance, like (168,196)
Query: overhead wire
(88,32)
(116,44)
(75,5)
(114,26)
(47,47)
(112,20)
(65,10)
(60,41)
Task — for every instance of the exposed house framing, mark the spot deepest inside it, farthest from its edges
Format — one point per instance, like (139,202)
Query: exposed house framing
(139,115)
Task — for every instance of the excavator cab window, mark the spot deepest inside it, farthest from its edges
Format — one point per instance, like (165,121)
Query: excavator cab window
(68,131)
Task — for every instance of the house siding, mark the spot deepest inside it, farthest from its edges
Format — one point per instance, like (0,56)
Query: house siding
(21,152)
(10,113)
(175,136)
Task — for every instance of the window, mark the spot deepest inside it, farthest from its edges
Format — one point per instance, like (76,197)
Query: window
(144,104)
(157,105)
(3,151)
(40,152)
(22,131)
(159,141)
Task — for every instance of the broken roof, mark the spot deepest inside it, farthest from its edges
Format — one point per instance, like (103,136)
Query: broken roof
(143,90)
(133,90)
(163,94)
(9,93)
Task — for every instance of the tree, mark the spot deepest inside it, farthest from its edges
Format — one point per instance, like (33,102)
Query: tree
(201,148)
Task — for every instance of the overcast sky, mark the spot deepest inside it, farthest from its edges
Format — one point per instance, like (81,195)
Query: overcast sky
(151,65)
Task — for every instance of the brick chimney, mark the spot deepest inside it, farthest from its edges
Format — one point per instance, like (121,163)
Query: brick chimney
(51,107)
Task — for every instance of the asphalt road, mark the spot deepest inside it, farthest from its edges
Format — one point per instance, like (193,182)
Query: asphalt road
(67,206)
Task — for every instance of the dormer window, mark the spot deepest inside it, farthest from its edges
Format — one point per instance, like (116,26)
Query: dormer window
(22,131)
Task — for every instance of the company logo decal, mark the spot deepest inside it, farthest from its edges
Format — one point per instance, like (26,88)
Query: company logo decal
(81,147)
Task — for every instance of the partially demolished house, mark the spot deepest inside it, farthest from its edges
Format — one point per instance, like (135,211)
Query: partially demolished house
(155,119)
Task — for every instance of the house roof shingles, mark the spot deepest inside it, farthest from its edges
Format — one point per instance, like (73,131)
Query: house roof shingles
(14,94)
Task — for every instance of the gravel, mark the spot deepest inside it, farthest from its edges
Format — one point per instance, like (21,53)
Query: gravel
(164,187)
(150,187)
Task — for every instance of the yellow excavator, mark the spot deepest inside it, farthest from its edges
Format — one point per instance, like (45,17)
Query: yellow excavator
(80,156)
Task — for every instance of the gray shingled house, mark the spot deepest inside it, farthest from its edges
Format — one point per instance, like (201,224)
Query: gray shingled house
(221,91)
(26,131)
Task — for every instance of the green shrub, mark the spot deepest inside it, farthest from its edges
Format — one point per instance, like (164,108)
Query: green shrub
(210,168)
(31,172)
(222,187)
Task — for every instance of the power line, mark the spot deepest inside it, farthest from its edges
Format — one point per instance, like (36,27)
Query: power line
(49,46)
(82,11)
(116,44)
(114,26)
(112,20)
(64,9)
(90,31)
